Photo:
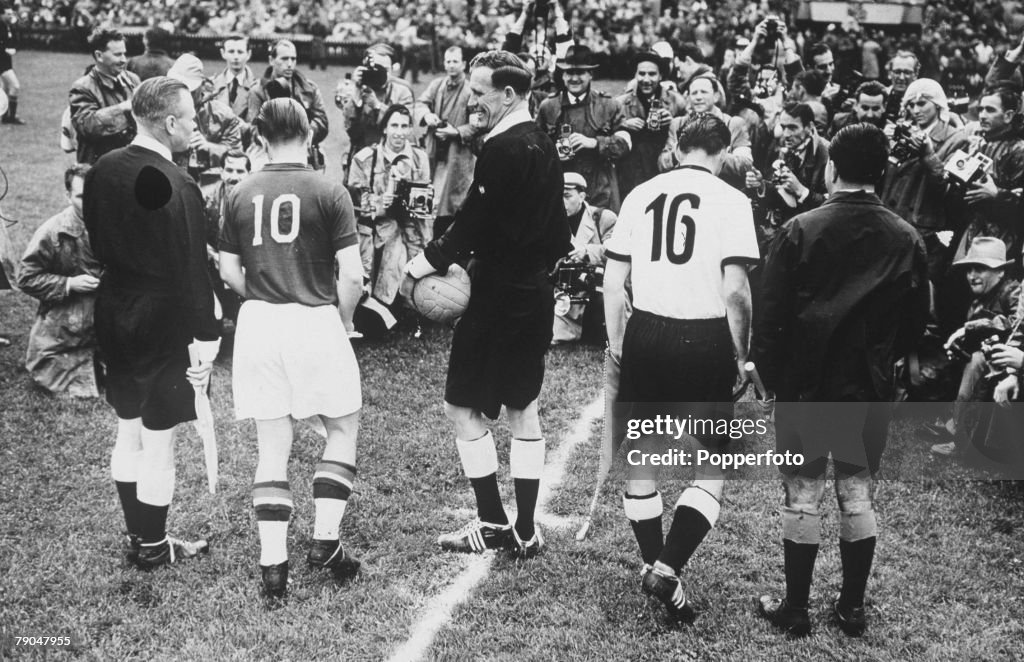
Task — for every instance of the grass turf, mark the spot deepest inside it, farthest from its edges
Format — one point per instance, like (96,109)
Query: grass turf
(947,583)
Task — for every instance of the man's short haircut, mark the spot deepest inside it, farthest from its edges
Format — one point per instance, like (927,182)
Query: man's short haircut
(99,39)
(236,153)
(1008,95)
(77,170)
(156,98)
(801,111)
(813,81)
(905,53)
(706,132)
(716,85)
(689,50)
(158,39)
(394,109)
(281,42)
(236,37)
(871,88)
(282,120)
(860,153)
(456,49)
(816,49)
(507,70)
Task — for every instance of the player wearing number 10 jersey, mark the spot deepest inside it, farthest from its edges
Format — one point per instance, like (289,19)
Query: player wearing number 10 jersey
(286,225)
(684,238)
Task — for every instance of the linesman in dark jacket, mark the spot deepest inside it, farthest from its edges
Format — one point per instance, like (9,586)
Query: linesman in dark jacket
(845,294)
(513,222)
(146,225)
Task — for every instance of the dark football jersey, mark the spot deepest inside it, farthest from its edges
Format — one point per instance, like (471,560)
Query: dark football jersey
(287,222)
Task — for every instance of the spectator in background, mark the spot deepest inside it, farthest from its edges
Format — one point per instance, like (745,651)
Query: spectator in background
(156,61)
(217,128)
(101,99)
(449,137)
(8,80)
(869,106)
(236,168)
(235,84)
(903,69)
(809,87)
(283,79)
(58,269)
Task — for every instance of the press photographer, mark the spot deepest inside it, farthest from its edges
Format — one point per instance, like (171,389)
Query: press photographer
(996,296)
(366,95)
(795,181)
(993,207)
(869,106)
(915,186)
(578,277)
(395,218)
(586,126)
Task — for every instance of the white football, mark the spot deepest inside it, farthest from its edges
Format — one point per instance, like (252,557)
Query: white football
(442,297)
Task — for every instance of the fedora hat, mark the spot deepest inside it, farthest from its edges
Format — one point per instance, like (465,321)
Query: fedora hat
(986,251)
(577,57)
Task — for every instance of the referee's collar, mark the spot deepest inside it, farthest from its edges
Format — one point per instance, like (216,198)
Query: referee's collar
(153,145)
(509,121)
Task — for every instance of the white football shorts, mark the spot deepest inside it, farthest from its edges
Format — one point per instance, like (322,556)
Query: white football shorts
(293,360)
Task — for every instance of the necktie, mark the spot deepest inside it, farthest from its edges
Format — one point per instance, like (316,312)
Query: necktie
(233,92)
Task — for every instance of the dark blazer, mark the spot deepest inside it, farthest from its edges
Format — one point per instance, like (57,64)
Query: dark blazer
(845,295)
(513,218)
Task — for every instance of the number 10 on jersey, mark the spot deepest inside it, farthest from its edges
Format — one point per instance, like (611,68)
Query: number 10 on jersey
(280,237)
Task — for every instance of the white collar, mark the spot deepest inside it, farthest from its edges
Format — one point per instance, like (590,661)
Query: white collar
(509,121)
(153,145)
(573,99)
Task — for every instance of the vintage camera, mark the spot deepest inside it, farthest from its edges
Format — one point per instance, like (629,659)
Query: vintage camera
(771,29)
(575,281)
(780,168)
(562,146)
(902,149)
(375,76)
(416,199)
(766,86)
(978,333)
(963,169)
(654,115)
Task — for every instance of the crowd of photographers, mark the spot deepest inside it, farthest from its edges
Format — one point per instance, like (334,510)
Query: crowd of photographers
(957,177)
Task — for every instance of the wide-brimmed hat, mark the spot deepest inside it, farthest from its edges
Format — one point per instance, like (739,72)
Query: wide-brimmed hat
(987,252)
(189,70)
(578,57)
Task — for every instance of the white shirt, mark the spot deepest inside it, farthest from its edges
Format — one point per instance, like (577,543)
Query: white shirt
(153,145)
(509,121)
(678,230)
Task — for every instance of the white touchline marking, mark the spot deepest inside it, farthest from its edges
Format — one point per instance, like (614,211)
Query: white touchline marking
(438,611)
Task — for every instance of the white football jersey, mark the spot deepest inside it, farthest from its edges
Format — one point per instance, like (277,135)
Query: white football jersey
(678,230)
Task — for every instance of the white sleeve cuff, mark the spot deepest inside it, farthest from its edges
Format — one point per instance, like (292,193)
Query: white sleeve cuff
(419,266)
(207,349)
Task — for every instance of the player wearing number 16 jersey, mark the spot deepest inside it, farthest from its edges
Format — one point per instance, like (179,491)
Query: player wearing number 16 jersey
(684,238)
(286,225)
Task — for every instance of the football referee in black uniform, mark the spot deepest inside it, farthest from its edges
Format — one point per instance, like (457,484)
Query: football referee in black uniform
(513,223)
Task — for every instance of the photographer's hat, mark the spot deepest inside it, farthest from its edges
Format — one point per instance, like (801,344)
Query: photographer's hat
(578,57)
(189,70)
(575,179)
(985,251)
(653,58)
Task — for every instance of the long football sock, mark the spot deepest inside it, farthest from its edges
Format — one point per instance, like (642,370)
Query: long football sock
(857,557)
(480,463)
(644,515)
(526,464)
(799,565)
(696,513)
(124,468)
(272,502)
(332,486)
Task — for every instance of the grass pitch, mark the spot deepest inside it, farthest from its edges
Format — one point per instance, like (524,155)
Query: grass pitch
(948,581)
